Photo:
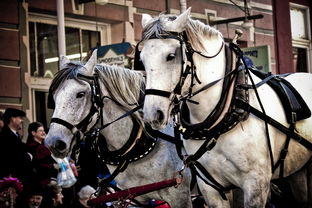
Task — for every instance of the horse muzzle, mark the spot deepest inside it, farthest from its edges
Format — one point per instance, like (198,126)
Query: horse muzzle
(58,147)
(157,119)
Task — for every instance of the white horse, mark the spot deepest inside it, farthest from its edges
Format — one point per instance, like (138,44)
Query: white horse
(78,99)
(241,155)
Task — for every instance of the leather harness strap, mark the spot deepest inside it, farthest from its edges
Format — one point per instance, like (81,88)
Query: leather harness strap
(211,135)
(283,154)
(198,167)
(275,124)
(158,92)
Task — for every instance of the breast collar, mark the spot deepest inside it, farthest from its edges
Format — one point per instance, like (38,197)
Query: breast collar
(208,128)
(138,146)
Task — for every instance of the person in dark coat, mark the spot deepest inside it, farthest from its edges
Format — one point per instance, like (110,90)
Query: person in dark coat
(15,161)
(44,165)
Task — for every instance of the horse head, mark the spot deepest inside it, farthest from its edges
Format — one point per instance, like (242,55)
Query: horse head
(71,92)
(161,57)
(168,56)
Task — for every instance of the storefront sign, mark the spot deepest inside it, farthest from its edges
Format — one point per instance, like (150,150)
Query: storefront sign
(114,54)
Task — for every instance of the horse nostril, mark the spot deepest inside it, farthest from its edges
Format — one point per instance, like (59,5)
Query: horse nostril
(60,145)
(160,115)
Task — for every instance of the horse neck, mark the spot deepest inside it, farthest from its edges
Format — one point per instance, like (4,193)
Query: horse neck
(118,132)
(208,70)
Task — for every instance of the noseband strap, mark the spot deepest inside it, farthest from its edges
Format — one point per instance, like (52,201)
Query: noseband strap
(68,125)
(81,126)
(158,92)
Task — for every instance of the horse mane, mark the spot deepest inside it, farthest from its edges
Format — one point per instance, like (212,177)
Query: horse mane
(123,85)
(196,31)
(70,71)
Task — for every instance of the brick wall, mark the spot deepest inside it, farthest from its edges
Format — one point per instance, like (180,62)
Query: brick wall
(10,72)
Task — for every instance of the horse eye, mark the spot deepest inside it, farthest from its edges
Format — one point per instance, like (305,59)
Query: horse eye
(170,57)
(80,94)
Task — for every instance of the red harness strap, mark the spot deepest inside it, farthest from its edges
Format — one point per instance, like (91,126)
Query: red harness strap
(135,191)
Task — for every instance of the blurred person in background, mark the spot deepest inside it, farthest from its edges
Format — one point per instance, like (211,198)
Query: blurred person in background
(35,197)
(46,168)
(15,160)
(53,196)
(85,193)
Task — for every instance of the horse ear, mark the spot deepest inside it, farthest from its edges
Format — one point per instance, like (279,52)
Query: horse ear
(63,61)
(88,68)
(146,19)
(178,25)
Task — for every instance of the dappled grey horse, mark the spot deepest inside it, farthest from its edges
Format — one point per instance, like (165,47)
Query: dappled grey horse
(88,96)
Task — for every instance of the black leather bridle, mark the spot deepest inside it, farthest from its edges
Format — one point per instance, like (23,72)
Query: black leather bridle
(189,69)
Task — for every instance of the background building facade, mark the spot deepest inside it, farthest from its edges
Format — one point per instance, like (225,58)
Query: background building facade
(29,41)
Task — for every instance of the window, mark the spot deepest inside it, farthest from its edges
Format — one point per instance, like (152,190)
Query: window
(300,59)
(43,39)
(44,47)
(81,36)
(42,114)
(299,29)
(301,39)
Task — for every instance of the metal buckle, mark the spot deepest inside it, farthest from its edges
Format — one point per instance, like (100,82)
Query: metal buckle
(182,129)
(293,117)
(211,144)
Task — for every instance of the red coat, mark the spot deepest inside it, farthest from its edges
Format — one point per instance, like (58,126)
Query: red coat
(43,162)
